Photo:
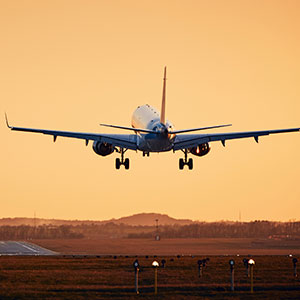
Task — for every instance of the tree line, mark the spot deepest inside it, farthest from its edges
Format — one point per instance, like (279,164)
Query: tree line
(255,229)
(24,232)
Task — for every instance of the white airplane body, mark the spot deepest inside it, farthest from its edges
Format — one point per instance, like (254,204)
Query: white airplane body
(147,117)
(153,133)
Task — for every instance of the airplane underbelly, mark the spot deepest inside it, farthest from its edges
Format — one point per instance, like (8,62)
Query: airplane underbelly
(151,143)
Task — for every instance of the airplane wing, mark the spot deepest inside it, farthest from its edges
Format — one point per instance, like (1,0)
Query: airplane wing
(128,141)
(191,140)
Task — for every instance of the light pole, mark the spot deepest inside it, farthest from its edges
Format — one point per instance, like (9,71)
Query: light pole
(199,267)
(251,263)
(155,265)
(295,260)
(246,264)
(136,266)
(157,236)
(231,263)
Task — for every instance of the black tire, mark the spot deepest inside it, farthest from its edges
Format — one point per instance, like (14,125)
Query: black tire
(118,163)
(181,164)
(190,164)
(126,163)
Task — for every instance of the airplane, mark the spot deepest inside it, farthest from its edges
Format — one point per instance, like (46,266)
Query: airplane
(153,133)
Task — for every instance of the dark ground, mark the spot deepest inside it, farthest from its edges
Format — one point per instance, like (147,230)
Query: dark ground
(200,246)
(91,277)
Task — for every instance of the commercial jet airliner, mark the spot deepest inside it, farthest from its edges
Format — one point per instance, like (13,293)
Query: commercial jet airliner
(153,133)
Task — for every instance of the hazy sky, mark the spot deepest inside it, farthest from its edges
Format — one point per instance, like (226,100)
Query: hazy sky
(70,65)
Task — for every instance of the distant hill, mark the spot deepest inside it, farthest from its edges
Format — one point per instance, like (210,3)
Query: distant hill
(148,219)
(144,219)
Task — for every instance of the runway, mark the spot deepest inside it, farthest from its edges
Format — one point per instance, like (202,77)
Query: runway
(23,248)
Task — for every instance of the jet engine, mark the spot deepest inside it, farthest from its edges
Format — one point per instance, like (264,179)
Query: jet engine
(103,149)
(200,150)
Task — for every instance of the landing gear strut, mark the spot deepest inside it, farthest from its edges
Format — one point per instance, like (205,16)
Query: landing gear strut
(122,161)
(185,161)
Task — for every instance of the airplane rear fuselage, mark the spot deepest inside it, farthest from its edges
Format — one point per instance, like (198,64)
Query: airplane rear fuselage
(147,117)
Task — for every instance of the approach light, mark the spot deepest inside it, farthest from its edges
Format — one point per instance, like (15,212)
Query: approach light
(231,263)
(155,264)
(251,263)
(136,264)
(295,260)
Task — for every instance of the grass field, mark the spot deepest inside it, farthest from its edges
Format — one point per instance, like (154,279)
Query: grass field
(103,269)
(103,277)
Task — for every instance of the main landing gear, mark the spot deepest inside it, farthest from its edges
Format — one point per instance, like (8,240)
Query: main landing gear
(185,161)
(122,161)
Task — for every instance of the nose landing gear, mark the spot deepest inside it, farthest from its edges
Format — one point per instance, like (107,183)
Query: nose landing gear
(185,161)
(122,161)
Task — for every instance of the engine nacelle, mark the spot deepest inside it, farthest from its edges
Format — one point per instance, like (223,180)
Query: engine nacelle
(103,149)
(200,150)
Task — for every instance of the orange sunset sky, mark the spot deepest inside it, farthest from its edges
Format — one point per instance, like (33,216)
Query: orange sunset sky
(70,65)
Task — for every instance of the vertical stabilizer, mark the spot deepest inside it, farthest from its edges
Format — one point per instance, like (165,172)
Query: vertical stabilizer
(163,103)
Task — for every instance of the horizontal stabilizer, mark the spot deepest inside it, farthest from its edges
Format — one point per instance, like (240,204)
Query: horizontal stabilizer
(201,128)
(130,128)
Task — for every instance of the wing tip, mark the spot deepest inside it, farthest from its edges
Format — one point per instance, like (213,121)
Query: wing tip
(6,120)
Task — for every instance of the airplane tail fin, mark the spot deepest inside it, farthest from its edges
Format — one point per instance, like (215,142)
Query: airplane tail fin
(163,103)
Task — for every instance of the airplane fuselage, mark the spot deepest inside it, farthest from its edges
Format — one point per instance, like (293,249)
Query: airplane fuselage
(147,117)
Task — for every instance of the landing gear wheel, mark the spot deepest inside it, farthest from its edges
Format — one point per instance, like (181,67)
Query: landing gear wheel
(122,161)
(190,164)
(181,163)
(118,163)
(184,161)
(126,163)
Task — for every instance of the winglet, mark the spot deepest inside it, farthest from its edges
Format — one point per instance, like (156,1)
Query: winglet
(163,103)
(7,121)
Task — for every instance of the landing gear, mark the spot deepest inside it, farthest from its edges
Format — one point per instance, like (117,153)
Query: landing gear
(185,161)
(126,163)
(181,163)
(122,161)
(118,163)
(190,164)
(145,153)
